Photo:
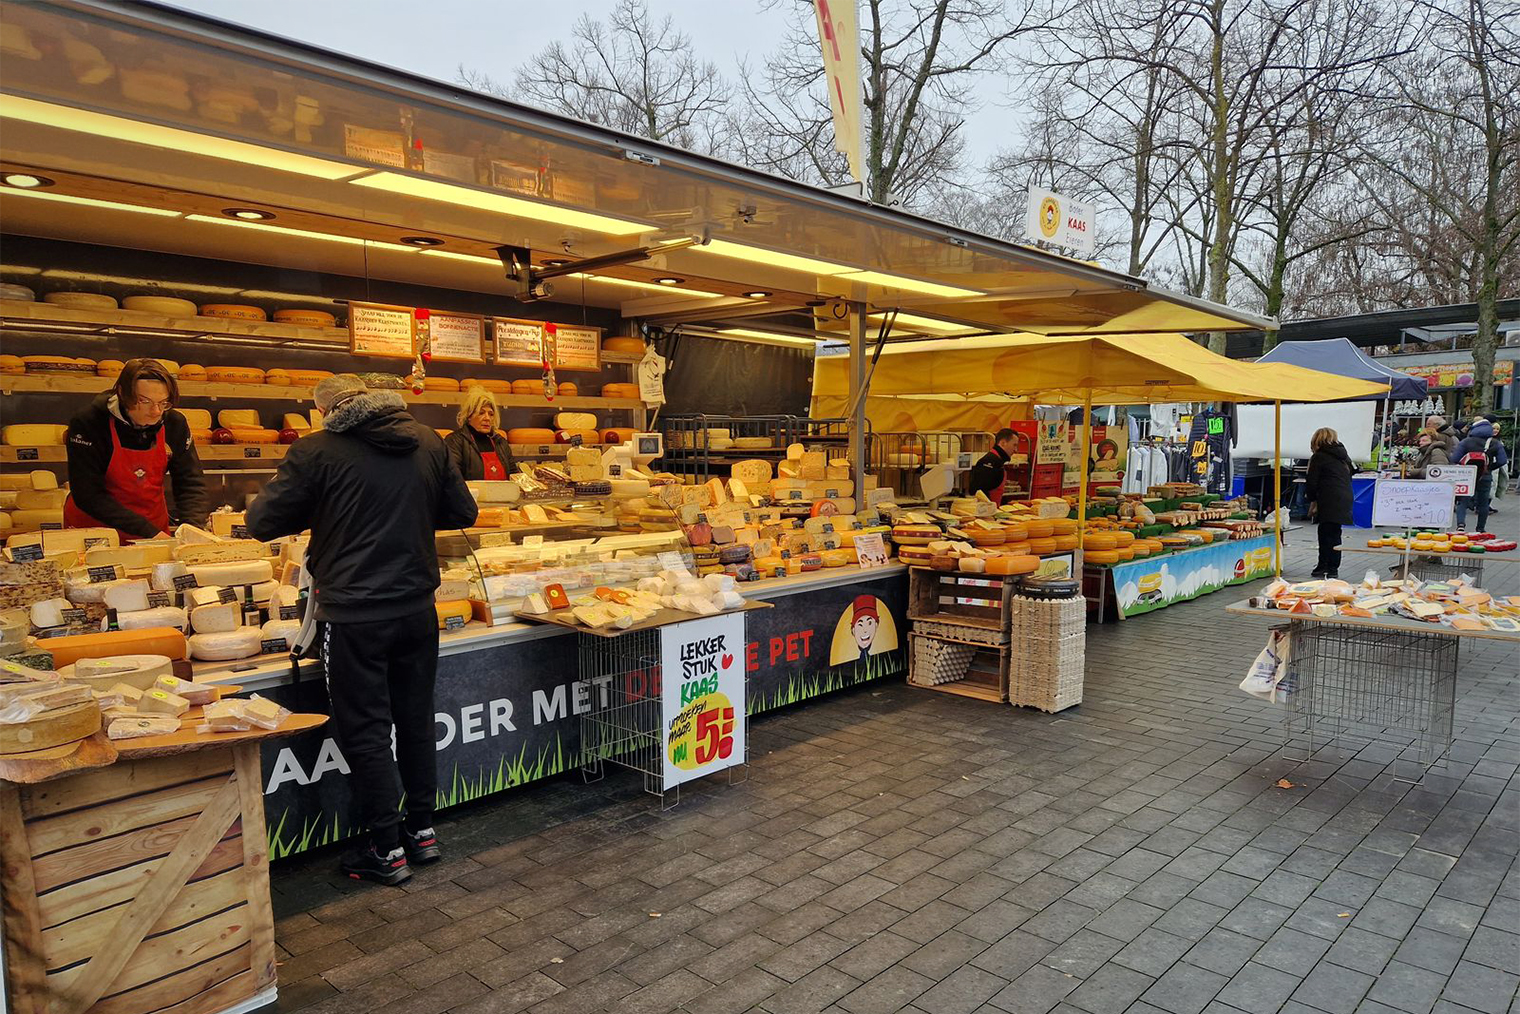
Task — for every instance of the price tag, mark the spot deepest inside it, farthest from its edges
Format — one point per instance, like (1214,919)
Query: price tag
(226,595)
(73,616)
(576,440)
(786,554)
(831,494)
(453,623)
(51,526)
(26,454)
(253,452)
(290,612)
(240,531)
(273,646)
(99,574)
(157,599)
(671,561)
(701,518)
(828,528)
(97,541)
(25,554)
(184,581)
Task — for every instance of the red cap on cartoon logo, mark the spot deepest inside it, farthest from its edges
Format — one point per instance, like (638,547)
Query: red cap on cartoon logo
(865,605)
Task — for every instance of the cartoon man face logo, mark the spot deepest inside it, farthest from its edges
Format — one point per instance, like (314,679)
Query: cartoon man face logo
(864,623)
(141,474)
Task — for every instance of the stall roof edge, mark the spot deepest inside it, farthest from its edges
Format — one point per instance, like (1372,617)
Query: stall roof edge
(235,38)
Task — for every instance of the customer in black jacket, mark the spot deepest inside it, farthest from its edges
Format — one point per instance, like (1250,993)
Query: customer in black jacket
(1329,492)
(477,448)
(373,485)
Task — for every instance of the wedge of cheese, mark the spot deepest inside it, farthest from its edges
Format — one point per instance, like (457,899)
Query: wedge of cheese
(225,551)
(239,573)
(127,596)
(216,618)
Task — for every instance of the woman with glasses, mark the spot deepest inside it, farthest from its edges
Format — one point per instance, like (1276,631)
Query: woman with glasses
(120,449)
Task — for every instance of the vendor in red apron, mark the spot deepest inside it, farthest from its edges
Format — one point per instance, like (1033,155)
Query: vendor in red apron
(477,448)
(990,473)
(121,447)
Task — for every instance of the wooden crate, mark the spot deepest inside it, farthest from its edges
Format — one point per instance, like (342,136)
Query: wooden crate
(985,675)
(953,597)
(138,887)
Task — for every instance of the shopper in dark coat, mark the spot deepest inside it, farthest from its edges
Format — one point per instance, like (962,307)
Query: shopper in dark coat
(373,486)
(1329,492)
(477,448)
(990,473)
(1432,452)
(1485,452)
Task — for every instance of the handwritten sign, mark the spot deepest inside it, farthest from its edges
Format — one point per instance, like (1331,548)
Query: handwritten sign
(458,337)
(518,342)
(578,348)
(1412,503)
(870,551)
(376,329)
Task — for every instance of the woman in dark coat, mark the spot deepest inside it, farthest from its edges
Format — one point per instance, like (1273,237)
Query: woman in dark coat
(1329,490)
(477,448)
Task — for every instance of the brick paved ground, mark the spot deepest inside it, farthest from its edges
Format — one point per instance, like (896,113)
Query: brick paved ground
(906,850)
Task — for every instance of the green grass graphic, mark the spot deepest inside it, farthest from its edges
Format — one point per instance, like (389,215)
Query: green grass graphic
(808,685)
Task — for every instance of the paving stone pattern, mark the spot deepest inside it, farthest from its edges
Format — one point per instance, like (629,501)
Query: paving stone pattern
(905,850)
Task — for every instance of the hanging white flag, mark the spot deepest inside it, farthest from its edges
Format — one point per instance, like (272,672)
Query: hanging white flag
(839,35)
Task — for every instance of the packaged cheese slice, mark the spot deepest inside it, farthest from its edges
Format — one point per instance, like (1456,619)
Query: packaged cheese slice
(140,726)
(195,693)
(162,702)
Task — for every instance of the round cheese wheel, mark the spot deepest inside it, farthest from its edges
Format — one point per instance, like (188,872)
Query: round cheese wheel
(1063,526)
(617,435)
(1100,541)
(17,292)
(568,390)
(254,435)
(277,378)
(1101,556)
(81,300)
(620,390)
(164,306)
(12,364)
(1041,528)
(530,435)
(194,372)
(200,435)
(1064,543)
(634,346)
(494,386)
(233,311)
(109,367)
(306,318)
(574,421)
(527,387)
(440,384)
(568,436)
(240,643)
(1042,547)
(234,375)
(1123,538)
(297,378)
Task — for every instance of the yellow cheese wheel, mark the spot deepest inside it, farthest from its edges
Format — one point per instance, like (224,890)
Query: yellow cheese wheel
(634,346)
(1123,538)
(568,390)
(12,364)
(109,368)
(277,378)
(574,421)
(1041,528)
(234,375)
(494,386)
(440,384)
(459,609)
(617,435)
(526,387)
(200,435)
(32,435)
(587,436)
(1100,541)
(1063,526)
(81,300)
(1125,553)
(166,641)
(233,311)
(253,435)
(193,372)
(1105,556)
(306,318)
(297,378)
(1065,543)
(620,390)
(164,306)
(1042,547)
(530,435)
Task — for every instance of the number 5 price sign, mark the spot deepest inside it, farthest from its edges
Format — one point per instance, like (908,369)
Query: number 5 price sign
(702,697)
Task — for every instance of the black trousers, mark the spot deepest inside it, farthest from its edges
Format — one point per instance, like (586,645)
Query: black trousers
(381,674)
(1329,538)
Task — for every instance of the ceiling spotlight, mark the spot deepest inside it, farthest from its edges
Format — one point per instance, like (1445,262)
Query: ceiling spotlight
(248,214)
(422,241)
(25,181)
(670,281)
(757,294)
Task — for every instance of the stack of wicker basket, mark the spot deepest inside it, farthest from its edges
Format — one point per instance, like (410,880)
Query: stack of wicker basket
(1048,639)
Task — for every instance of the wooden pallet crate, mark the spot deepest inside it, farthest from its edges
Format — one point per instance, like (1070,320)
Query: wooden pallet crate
(983,668)
(138,887)
(961,599)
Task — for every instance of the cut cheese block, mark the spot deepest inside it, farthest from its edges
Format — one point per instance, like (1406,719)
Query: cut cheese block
(234,375)
(217,618)
(202,596)
(285,630)
(165,306)
(755,473)
(138,556)
(81,590)
(458,610)
(162,702)
(195,693)
(239,417)
(67,540)
(494,491)
(530,435)
(32,520)
(240,643)
(41,499)
(41,479)
(127,597)
(164,641)
(295,421)
(226,551)
(32,435)
(81,300)
(233,311)
(574,421)
(198,418)
(306,318)
(239,573)
(137,672)
(189,534)
(135,726)
(159,616)
(49,612)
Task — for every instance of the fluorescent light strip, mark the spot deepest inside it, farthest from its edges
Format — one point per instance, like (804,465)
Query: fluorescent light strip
(433,251)
(650,286)
(503,204)
(155,135)
(88,202)
(301,233)
(742,334)
(829,269)
(912,321)
(908,284)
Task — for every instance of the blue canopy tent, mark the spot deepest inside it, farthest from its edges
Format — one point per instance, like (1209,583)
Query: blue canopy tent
(1338,355)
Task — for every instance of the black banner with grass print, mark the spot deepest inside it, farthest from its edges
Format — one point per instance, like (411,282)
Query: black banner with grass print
(510,714)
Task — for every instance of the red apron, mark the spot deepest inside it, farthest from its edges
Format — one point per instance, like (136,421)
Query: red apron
(996,496)
(493,466)
(134,479)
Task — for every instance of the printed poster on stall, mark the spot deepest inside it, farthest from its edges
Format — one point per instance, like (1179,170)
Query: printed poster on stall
(1142,586)
(702,697)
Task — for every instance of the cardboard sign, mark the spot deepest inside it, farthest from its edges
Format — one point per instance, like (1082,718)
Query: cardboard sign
(702,697)
(870,551)
(578,348)
(377,329)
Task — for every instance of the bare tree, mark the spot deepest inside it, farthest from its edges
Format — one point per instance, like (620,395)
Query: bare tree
(631,74)
(919,59)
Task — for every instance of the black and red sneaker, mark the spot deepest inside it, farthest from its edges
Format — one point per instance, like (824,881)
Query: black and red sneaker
(367,863)
(421,846)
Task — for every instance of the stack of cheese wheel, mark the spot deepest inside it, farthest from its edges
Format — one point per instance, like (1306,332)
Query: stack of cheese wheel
(1042,547)
(233,311)
(1101,542)
(1065,543)
(1040,528)
(295,378)
(306,318)
(234,375)
(164,306)
(620,391)
(81,300)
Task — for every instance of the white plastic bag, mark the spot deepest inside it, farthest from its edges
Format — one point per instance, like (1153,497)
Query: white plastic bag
(1271,666)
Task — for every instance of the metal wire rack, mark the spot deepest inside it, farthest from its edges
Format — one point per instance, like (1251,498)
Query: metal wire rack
(623,723)
(900,459)
(1349,682)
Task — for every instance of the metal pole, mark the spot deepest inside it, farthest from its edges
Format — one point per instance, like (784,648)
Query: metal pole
(1277,483)
(857,420)
(1086,448)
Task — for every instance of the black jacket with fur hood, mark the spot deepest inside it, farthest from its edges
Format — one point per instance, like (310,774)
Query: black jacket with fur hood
(373,485)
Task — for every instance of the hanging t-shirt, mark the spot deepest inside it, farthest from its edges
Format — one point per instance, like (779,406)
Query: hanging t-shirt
(1209,442)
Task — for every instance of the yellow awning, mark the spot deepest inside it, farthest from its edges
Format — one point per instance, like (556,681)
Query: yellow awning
(1116,369)
(910,413)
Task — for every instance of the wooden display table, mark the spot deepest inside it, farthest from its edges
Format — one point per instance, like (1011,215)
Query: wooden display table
(134,876)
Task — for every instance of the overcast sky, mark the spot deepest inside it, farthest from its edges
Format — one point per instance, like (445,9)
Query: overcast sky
(435,37)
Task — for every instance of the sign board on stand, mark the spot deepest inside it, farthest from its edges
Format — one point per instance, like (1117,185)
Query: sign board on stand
(1462,477)
(1412,503)
(702,700)
(870,551)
